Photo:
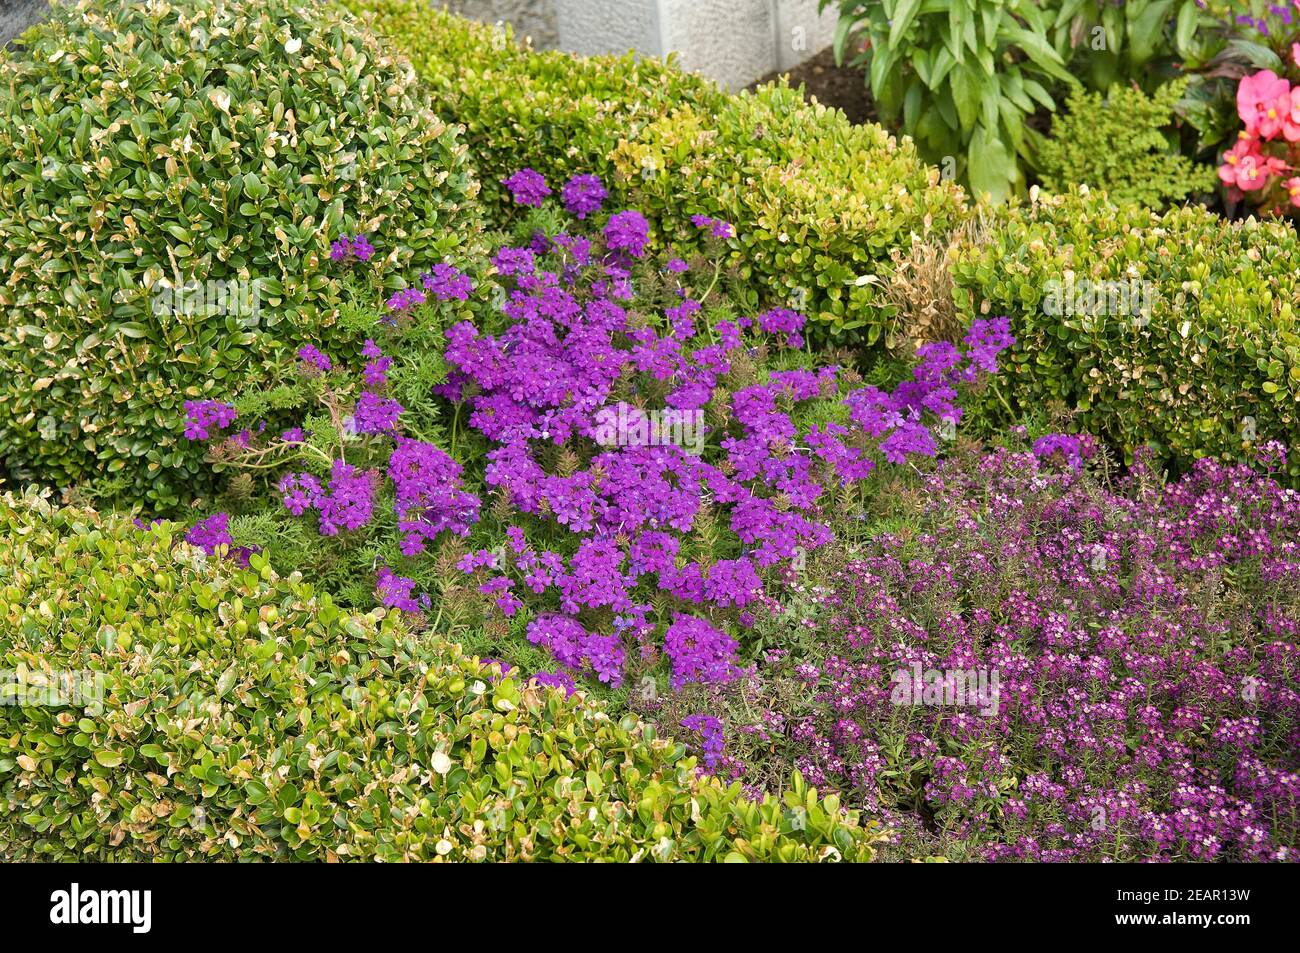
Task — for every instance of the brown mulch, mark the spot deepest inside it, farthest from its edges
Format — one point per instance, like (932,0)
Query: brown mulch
(842,87)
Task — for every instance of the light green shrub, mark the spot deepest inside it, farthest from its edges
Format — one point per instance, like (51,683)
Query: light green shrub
(559,114)
(1118,143)
(204,145)
(818,203)
(244,716)
(1209,368)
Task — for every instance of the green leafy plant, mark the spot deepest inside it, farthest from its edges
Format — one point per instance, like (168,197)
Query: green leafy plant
(960,77)
(173,174)
(1175,329)
(965,77)
(1139,41)
(194,710)
(1124,143)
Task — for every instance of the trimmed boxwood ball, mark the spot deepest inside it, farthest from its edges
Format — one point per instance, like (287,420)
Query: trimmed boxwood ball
(228,714)
(171,175)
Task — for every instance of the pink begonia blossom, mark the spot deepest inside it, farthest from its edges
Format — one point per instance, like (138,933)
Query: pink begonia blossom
(1246,168)
(1291,121)
(1264,103)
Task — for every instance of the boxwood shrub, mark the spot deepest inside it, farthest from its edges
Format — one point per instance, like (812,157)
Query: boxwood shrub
(818,203)
(1208,365)
(213,148)
(559,114)
(220,713)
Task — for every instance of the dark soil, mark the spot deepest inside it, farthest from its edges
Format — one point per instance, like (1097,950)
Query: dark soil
(842,87)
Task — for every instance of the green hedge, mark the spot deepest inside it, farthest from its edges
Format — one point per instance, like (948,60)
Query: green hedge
(818,203)
(1219,344)
(244,716)
(560,114)
(196,143)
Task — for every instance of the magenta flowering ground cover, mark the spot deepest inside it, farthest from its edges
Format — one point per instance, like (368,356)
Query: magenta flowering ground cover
(1135,645)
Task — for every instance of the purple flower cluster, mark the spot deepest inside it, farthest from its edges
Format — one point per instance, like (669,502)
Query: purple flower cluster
(398,592)
(313,360)
(405,300)
(347,503)
(898,417)
(699,652)
(375,373)
(557,680)
(204,417)
(711,733)
(211,533)
(1070,449)
(376,414)
(627,231)
(583,195)
(716,226)
(447,283)
(528,187)
(345,249)
(428,494)
(549,379)
(577,649)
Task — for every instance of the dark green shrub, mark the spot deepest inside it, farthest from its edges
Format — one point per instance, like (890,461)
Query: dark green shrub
(1208,364)
(244,716)
(1123,143)
(194,145)
(818,203)
(560,114)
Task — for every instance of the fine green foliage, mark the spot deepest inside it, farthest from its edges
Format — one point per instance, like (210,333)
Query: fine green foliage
(1175,329)
(1123,143)
(559,114)
(818,203)
(171,175)
(228,714)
